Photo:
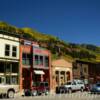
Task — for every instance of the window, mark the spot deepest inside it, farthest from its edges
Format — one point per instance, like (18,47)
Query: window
(2,67)
(26,59)
(15,68)
(7,50)
(46,84)
(14,79)
(14,51)
(8,81)
(36,60)
(41,60)
(47,61)
(8,68)
(75,67)
(85,70)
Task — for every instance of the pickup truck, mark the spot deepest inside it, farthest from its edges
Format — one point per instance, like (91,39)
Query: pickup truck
(75,85)
(7,89)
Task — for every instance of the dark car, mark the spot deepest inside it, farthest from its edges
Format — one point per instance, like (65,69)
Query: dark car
(95,88)
(40,88)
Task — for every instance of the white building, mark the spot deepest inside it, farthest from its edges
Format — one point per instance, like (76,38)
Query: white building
(9,58)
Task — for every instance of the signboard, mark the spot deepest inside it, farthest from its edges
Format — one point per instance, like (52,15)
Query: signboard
(37,50)
(26,42)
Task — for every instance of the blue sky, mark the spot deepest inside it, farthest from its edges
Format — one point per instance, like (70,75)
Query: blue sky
(76,21)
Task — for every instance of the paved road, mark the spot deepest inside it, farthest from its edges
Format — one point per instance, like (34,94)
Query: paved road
(73,96)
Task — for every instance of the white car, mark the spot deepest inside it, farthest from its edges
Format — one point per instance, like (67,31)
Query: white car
(75,85)
(7,89)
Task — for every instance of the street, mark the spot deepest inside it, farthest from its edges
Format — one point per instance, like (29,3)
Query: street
(73,96)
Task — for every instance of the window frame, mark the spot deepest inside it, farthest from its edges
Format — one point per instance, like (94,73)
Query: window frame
(26,59)
(14,51)
(7,50)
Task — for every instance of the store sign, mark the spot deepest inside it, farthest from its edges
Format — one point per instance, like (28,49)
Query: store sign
(40,51)
(35,45)
(26,42)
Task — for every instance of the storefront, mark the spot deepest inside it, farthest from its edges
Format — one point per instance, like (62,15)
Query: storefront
(9,58)
(34,64)
(61,72)
(41,65)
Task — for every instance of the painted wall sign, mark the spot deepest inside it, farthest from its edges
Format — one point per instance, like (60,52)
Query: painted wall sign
(40,51)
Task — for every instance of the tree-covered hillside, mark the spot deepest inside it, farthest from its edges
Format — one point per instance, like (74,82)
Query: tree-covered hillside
(58,48)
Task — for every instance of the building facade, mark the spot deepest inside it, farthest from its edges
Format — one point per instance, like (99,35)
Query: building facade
(61,73)
(35,63)
(9,58)
(89,71)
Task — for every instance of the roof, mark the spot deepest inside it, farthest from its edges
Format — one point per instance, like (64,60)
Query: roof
(61,63)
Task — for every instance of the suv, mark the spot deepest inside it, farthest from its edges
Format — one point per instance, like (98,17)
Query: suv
(7,89)
(40,88)
(75,85)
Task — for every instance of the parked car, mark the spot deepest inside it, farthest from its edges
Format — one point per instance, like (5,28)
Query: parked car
(75,85)
(38,88)
(7,90)
(95,88)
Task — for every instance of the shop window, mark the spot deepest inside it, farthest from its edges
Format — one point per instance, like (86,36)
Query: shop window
(14,51)
(15,67)
(7,50)
(2,67)
(8,68)
(26,59)
(46,61)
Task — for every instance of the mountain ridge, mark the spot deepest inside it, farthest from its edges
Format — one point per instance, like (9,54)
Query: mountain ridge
(58,47)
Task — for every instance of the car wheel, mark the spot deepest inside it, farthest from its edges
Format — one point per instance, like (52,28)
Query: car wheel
(10,94)
(69,90)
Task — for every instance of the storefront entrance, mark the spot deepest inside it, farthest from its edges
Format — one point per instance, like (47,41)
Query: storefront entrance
(26,84)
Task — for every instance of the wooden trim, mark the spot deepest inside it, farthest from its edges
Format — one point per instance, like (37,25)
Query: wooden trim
(8,39)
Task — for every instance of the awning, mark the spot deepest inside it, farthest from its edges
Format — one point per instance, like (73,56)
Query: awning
(39,72)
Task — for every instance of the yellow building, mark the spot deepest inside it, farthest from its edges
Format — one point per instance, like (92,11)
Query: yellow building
(61,72)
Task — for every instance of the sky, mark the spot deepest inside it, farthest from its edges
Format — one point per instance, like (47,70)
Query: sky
(75,21)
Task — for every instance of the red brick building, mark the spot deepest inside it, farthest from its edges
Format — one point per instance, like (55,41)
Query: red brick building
(35,63)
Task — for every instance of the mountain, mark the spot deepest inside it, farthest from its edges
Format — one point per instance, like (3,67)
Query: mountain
(58,48)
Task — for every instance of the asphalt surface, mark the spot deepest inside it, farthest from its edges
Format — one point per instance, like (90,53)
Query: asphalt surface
(72,96)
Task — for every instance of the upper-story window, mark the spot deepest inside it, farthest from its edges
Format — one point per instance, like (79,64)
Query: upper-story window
(41,60)
(46,61)
(14,51)
(7,50)
(36,60)
(26,59)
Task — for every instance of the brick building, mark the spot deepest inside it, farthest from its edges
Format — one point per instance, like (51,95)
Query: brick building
(35,63)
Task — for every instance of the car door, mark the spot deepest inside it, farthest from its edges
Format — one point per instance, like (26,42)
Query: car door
(74,86)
